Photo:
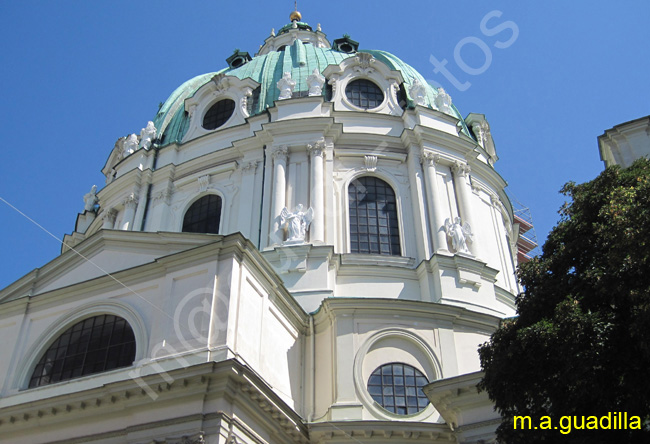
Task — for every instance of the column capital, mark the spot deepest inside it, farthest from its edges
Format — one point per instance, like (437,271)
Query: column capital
(317,148)
(428,158)
(249,167)
(461,168)
(109,215)
(280,153)
(131,201)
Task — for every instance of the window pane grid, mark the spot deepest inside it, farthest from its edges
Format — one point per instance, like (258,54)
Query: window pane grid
(364,94)
(373,217)
(398,388)
(76,352)
(218,114)
(203,216)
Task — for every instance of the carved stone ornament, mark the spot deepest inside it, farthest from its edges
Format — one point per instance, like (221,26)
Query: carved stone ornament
(147,135)
(249,167)
(459,234)
(394,89)
(248,93)
(204,181)
(164,195)
(192,110)
(443,101)
(280,153)
(118,148)
(429,159)
(131,201)
(109,215)
(418,92)
(461,169)
(371,163)
(221,83)
(90,199)
(286,85)
(130,145)
(496,202)
(482,132)
(317,148)
(197,438)
(333,83)
(364,60)
(297,223)
(315,81)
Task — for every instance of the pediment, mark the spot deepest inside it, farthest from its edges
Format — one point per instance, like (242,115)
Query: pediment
(103,253)
(221,87)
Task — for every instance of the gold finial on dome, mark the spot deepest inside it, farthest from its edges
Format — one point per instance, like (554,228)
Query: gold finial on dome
(295,16)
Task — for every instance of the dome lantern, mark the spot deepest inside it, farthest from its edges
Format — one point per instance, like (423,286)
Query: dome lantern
(295,15)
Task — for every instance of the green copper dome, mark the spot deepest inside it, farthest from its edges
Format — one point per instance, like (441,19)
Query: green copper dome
(300,59)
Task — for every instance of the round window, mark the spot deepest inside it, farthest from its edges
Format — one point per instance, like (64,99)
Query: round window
(364,94)
(218,114)
(398,388)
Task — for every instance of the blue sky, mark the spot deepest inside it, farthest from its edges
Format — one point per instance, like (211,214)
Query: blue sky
(76,76)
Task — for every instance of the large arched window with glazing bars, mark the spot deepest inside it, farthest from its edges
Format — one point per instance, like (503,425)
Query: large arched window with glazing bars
(374,227)
(92,345)
(203,216)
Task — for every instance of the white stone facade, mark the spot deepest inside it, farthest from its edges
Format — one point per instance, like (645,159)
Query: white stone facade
(241,339)
(625,143)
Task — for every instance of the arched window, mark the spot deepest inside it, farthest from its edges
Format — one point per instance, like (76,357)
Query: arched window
(373,217)
(94,345)
(397,388)
(203,216)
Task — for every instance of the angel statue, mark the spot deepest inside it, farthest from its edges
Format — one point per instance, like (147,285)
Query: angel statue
(460,234)
(147,135)
(286,85)
(297,223)
(130,145)
(90,199)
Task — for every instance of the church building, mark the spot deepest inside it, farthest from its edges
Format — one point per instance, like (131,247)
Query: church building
(306,246)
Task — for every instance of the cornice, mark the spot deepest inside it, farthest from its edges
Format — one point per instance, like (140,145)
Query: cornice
(453,396)
(332,307)
(226,379)
(380,431)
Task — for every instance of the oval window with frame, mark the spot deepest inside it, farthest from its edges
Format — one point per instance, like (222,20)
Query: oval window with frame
(218,114)
(364,94)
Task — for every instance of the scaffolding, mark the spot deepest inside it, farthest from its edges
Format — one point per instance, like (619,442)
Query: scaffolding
(527,245)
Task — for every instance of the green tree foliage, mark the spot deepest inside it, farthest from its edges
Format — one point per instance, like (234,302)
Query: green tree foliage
(581,342)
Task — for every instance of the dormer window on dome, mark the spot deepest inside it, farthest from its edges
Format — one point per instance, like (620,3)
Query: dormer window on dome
(218,114)
(345,44)
(364,94)
(238,58)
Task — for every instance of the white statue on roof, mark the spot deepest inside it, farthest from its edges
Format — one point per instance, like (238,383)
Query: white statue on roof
(315,82)
(90,199)
(418,92)
(286,85)
(460,235)
(443,101)
(297,223)
(147,135)
(130,145)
